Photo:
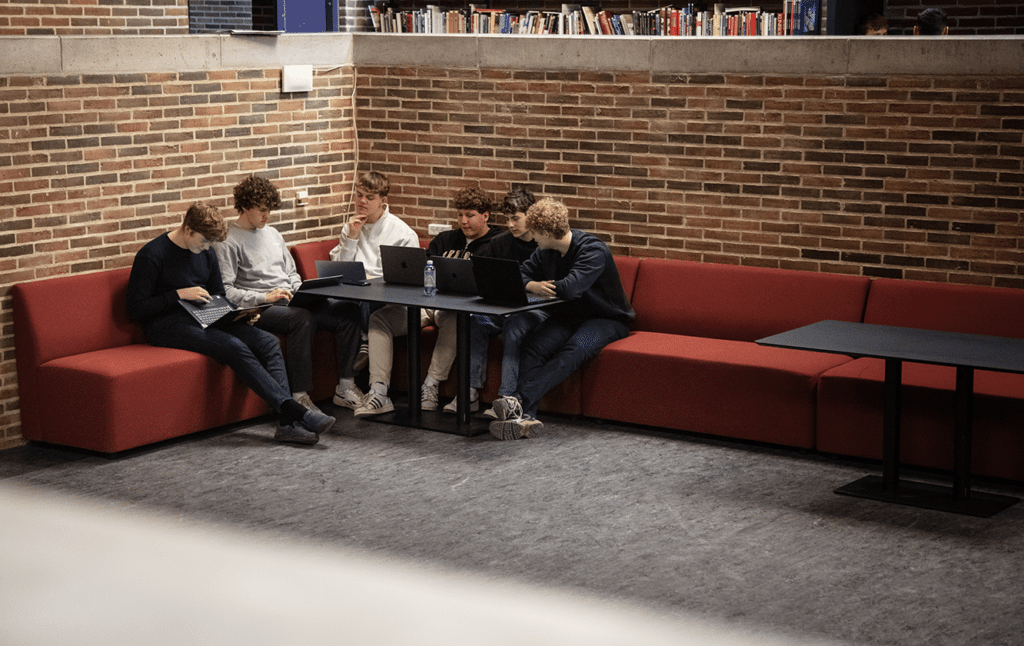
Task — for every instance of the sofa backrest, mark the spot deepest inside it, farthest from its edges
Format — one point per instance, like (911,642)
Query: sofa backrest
(61,317)
(972,309)
(627,273)
(740,303)
(307,253)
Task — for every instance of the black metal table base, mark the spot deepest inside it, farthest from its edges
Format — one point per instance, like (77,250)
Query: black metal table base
(928,496)
(434,421)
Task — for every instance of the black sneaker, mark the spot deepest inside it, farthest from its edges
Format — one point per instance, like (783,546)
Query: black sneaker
(295,435)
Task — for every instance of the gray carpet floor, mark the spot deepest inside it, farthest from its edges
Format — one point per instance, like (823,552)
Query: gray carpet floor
(746,534)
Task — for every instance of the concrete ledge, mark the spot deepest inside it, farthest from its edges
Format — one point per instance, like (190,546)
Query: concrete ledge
(30,55)
(812,55)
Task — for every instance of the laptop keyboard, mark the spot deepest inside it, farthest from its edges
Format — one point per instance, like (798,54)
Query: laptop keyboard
(210,315)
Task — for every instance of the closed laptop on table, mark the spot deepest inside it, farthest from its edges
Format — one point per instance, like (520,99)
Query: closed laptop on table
(455,275)
(403,265)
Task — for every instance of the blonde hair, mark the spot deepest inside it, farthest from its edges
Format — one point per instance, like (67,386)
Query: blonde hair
(549,217)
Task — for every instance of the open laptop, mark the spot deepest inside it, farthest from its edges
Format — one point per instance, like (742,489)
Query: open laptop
(403,265)
(329,273)
(455,275)
(218,311)
(498,281)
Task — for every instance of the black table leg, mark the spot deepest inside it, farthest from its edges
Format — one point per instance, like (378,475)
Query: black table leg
(412,345)
(462,335)
(889,488)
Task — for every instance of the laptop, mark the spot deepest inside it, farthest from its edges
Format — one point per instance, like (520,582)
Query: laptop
(329,273)
(499,281)
(403,265)
(218,311)
(455,275)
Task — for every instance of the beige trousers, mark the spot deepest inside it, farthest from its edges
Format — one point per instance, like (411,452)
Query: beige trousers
(390,321)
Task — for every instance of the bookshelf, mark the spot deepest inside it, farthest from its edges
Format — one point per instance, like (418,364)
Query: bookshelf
(793,18)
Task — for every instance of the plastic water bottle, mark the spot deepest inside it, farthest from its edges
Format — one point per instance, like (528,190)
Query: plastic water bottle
(429,279)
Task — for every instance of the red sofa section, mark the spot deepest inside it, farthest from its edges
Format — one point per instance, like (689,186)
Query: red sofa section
(850,396)
(88,379)
(690,362)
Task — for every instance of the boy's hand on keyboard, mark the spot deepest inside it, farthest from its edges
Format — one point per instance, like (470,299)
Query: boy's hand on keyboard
(195,293)
(279,294)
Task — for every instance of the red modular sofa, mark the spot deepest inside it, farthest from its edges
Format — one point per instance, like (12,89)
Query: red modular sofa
(87,378)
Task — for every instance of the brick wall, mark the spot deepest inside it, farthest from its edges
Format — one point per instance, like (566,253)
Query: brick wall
(966,18)
(98,17)
(905,176)
(207,16)
(94,166)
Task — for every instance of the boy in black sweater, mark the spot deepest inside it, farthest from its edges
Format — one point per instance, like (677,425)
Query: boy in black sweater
(181,264)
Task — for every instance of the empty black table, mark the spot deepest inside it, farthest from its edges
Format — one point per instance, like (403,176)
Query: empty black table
(413,298)
(895,345)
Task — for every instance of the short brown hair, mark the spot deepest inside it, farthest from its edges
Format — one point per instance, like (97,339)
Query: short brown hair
(472,199)
(374,182)
(549,217)
(254,192)
(205,220)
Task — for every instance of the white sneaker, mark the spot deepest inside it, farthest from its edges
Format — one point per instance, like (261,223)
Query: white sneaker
(490,412)
(453,406)
(428,397)
(351,398)
(507,407)
(362,357)
(374,404)
(308,404)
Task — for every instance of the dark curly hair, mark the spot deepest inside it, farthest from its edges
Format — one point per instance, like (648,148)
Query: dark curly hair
(254,192)
(472,199)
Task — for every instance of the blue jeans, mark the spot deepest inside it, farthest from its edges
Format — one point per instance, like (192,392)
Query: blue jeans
(516,327)
(481,328)
(558,348)
(254,355)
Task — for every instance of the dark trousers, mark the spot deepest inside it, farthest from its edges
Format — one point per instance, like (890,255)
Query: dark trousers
(557,348)
(254,355)
(299,325)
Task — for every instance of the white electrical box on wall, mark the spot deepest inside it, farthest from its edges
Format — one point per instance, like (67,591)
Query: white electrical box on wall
(297,78)
(434,228)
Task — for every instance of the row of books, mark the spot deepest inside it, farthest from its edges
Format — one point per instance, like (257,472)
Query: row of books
(798,17)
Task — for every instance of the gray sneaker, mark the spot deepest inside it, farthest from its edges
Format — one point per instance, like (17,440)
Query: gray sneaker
(515,428)
(308,403)
(428,397)
(317,422)
(295,435)
(507,407)
(351,398)
(374,404)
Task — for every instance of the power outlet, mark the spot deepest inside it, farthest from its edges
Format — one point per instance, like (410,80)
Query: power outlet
(435,228)
(302,198)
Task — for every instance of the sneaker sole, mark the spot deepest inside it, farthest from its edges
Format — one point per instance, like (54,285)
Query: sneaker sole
(364,412)
(293,437)
(346,403)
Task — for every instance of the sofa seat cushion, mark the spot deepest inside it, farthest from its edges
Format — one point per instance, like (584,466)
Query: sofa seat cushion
(123,397)
(713,386)
(850,402)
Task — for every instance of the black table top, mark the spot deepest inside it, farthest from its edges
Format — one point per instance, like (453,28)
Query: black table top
(1002,354)
(380,292)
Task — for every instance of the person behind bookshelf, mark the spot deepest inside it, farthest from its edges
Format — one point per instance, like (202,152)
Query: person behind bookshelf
(931,21)
(874,25)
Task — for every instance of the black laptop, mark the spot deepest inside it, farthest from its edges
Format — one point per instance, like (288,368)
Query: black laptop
(403,265)
(498,281)
(455,275)
(329,273)
(217,311)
